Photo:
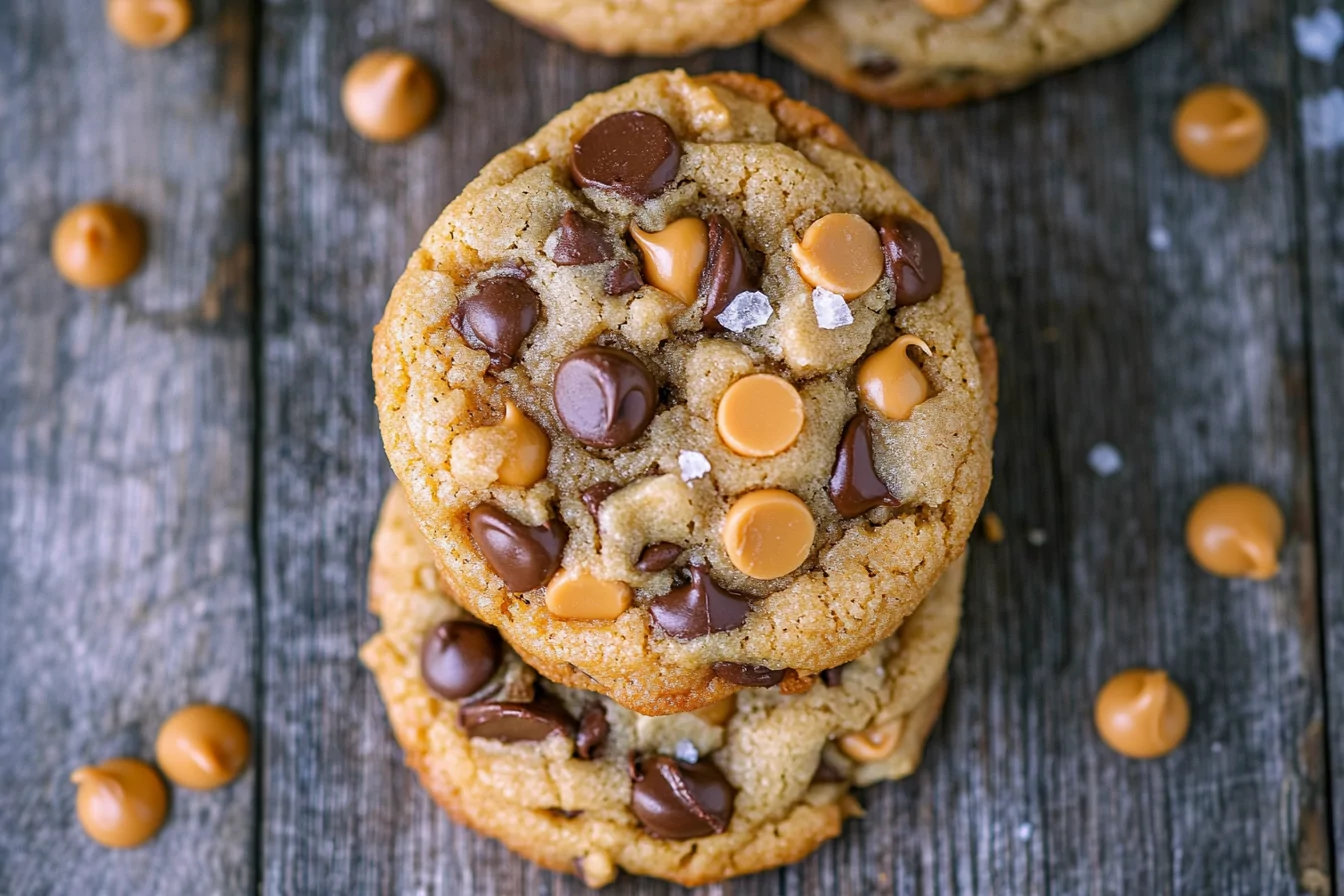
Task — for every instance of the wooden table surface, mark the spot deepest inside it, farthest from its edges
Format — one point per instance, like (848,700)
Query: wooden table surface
(190,464)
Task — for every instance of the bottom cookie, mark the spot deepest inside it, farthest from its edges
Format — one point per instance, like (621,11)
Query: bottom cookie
(577,783)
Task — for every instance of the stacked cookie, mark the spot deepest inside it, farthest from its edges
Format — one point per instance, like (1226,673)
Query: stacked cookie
(691,406)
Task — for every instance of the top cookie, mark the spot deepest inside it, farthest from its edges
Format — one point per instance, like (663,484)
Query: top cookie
(621,383)
(938,52)
(651,27)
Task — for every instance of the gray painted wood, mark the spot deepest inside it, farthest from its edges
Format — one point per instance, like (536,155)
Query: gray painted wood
(126,573)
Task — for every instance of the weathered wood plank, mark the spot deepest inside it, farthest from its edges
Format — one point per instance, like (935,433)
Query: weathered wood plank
(126,571)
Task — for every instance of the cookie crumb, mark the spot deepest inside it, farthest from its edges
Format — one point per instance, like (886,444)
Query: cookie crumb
(746,310)
(1319,36)
(693,465)
(1105,459)
(992,526)
(831,309)
(595,869)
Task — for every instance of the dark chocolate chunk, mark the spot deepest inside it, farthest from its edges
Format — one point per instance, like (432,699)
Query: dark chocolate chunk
(593,731)
(593,496)
(912,259)
(748,675)
(635,154)
(497,317)
(605,397)
(725,275)
(855,487)
(699,607)
(658,556)
(458,657)
(580,241)
(827,773)
(678,800)
(511,722)
(525,557)
(623,277)
(833,677)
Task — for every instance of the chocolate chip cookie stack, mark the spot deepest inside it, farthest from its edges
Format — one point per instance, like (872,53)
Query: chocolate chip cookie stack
(692,417)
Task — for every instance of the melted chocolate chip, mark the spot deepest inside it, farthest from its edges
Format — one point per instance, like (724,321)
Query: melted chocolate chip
(879,68)
(748,675)
(623,277)
(605,397)
(634,154)
(678,800)
(497,317)
(658,556)
(912,258)
(699,608)
(511,722)
(580,241)
(855,487)
(833,677)
(457,657)
(593,496)
(725,275)
(593,731)
(827,773)
(525,557)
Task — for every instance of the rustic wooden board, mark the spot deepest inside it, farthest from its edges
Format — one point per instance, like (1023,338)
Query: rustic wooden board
(126,572)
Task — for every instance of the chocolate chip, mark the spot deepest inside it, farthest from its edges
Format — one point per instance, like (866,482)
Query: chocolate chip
(855,486)
(827,773)
(605,397)
(749,676)
(593,731)
(565,813)
(525,557)
(678,800)
(833,677)
(635,154)
(912,259)
(593,496)
(580,241)
(725,275)
(658,556)
(879,68)
(458,657)
(497,317)
(623,277)
(511,722)
(699,608)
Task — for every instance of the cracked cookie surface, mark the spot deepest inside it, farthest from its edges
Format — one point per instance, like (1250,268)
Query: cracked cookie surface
(553,781)
(558,374)
(900,53)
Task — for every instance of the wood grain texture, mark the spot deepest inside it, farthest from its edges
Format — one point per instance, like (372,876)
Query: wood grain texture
(126,571)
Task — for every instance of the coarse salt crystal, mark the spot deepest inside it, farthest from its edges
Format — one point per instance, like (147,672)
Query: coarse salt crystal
(1105,459)
(693,465)
(831,308)
(1319,36)
(746,310)
(686,752)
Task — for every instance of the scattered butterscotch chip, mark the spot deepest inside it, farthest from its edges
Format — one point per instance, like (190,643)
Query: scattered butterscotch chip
(992,526)
(768,533)
(98,244)
(1220,131)
(840,253)
(891,383)
(1236,531)
(577,595)
(1141,713)
(525,462)
(148,24)
(203,746)
(718,713)
(760,415)
(873,744)
(953,9)
(388,95)
(120,803)
(674,257)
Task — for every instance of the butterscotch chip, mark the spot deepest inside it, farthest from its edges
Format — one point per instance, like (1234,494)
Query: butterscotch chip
(98,244)
(388,96)
(578,595)
(992,526)
(891,383)
(841,253)
(760,415)
(524,462)
(675,256)
(768,533)
(873,744)
(203,746)
(1141,713)
(120,803)
(1236,531)
(148,24)
(952,9)
(1220,131)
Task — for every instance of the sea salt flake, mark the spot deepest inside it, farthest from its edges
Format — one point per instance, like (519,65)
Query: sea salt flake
(1323,120)
(746,310)
(1025,830)
(831,308)
(693,465)
(1159,238)
(1037,537)
(1105,459)
(686,752)
(1319,37)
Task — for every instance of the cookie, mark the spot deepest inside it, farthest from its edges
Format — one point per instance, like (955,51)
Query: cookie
(650,27)
(910,53)
(579,784)
(687,394)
